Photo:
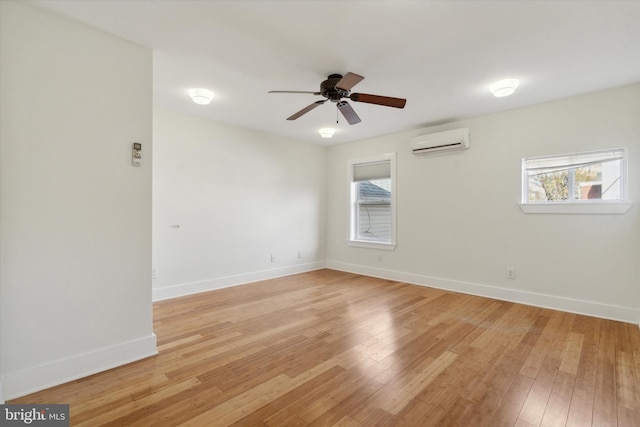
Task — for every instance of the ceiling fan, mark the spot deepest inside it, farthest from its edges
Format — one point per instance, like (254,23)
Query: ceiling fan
(337,87)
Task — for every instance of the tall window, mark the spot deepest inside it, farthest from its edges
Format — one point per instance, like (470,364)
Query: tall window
(591,178)
(372,202)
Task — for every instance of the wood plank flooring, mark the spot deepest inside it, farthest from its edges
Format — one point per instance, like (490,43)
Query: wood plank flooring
(328,348)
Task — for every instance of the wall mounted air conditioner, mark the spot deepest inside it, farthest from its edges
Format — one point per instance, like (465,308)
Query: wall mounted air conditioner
(456,139)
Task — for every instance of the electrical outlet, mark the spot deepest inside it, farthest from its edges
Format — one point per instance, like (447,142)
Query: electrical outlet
(273,258)
(379,256)
(511,273)
(299,253)
(154,273)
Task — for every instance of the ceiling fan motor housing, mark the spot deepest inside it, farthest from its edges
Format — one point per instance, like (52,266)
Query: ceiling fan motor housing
(328,88)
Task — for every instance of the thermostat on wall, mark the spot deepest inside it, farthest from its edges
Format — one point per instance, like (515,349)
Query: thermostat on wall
(136,157)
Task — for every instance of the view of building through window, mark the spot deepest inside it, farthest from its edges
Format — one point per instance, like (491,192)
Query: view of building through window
(374,210)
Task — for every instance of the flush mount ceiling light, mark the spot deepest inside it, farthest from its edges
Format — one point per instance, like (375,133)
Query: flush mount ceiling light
(326,132)
(504,87)
(201,96)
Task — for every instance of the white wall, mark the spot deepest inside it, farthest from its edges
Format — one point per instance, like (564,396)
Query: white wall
(75,216)
(459,224)
(238,196)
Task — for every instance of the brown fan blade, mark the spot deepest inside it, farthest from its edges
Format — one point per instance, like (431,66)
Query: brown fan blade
(349,81)
(306,109)
(387,101)
(293,91)
(348,112)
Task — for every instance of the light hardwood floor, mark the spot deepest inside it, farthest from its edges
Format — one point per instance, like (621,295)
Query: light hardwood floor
(329,348)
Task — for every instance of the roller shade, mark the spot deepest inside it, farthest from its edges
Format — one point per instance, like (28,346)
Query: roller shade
(549,164)
(371,171)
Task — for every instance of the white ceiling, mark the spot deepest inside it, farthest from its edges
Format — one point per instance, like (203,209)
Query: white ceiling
(440,55)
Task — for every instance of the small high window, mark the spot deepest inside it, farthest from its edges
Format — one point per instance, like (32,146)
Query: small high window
(372,202)
(597,177)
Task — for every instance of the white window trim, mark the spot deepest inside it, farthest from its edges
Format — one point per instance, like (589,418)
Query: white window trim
(351,237)
(578,207)
(575,207)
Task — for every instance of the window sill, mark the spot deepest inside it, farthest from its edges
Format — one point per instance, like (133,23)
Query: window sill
(371,245)
(576,208)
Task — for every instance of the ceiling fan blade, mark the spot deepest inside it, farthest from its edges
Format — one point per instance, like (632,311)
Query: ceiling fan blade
(349,81)
(348,112)
(306,109)
(293,91)
(387,101)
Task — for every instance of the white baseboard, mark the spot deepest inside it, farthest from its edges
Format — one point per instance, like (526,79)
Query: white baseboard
(51,374)
(227,281)
(589,308)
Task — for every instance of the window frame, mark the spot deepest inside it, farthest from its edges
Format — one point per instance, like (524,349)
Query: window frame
(352,223)
(573,206)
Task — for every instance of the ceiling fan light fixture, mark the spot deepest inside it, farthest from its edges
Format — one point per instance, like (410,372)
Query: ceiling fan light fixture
(201,96)
(504,87)
(326,132)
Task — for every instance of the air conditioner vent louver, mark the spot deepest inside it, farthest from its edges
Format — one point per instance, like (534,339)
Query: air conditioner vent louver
(456,139)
